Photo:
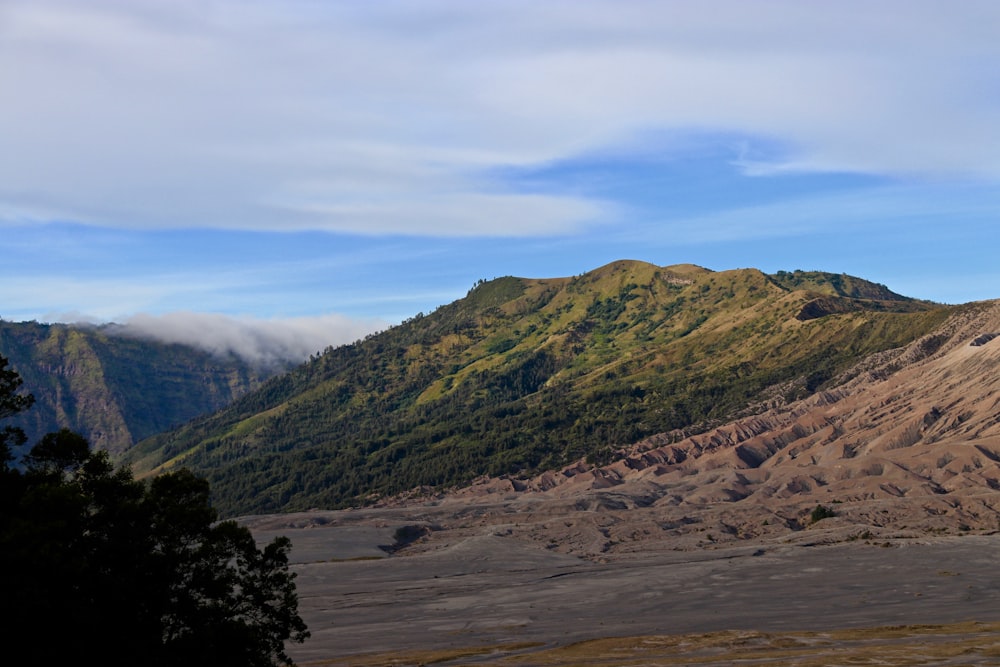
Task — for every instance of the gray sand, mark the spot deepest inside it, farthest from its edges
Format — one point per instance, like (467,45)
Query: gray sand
(487,589)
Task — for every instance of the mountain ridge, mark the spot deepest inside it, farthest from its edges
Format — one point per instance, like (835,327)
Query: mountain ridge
(528,374)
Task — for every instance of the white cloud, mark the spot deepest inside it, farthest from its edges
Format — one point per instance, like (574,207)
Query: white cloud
(391,117)
(256,340)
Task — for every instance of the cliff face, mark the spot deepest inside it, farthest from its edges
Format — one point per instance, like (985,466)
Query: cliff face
(115,390)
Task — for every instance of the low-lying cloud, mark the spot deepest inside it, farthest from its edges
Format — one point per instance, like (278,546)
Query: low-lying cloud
(258,341)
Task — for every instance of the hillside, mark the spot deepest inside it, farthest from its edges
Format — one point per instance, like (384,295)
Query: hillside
(869,506)
(905,446)
(116,390)
(524,375)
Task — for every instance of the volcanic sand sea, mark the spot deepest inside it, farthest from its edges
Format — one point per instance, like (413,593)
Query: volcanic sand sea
(712,533)
(460,590)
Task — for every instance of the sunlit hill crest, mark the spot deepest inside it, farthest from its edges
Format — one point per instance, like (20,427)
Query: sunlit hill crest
(529,374)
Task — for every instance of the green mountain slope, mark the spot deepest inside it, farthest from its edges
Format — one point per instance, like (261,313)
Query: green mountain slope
(523,375)
(116,390)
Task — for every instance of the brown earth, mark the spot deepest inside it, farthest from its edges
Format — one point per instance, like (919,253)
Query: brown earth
(710,533)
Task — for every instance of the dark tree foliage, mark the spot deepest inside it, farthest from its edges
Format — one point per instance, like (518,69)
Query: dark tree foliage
(101,568)
(11,402)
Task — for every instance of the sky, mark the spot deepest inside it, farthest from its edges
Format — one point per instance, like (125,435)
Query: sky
(304,172)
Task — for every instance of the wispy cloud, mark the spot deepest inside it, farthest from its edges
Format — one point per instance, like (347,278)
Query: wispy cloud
(924,212)
(391,117)
(265,342)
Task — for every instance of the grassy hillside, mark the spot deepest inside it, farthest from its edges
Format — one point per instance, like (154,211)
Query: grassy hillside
(116,390)
(523,375)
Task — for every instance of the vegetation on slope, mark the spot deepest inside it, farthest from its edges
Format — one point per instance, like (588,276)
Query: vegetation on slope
(116,390)
(523,375)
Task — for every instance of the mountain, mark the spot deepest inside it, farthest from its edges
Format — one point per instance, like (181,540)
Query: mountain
(117,390)
(906,445)
(526,375)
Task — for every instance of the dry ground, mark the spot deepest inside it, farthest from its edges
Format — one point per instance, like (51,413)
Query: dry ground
(470,592)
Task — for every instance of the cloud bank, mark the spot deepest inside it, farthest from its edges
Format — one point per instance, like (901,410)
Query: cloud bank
(400,117)
(261,342)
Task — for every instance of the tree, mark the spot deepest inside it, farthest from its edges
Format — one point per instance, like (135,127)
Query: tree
(11,402)
(101,567)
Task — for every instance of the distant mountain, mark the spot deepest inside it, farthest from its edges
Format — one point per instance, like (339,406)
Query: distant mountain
(117,390)
(524,375)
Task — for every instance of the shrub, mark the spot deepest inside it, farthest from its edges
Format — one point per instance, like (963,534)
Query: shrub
(821,512)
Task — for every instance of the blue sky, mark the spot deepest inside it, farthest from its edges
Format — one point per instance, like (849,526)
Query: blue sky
(319,170)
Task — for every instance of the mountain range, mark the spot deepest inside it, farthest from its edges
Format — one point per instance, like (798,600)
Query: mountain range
(524,376)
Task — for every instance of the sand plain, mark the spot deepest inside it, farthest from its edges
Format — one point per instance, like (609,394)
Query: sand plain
(454,591)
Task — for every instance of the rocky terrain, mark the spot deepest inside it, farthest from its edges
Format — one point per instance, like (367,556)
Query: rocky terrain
(872,504)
